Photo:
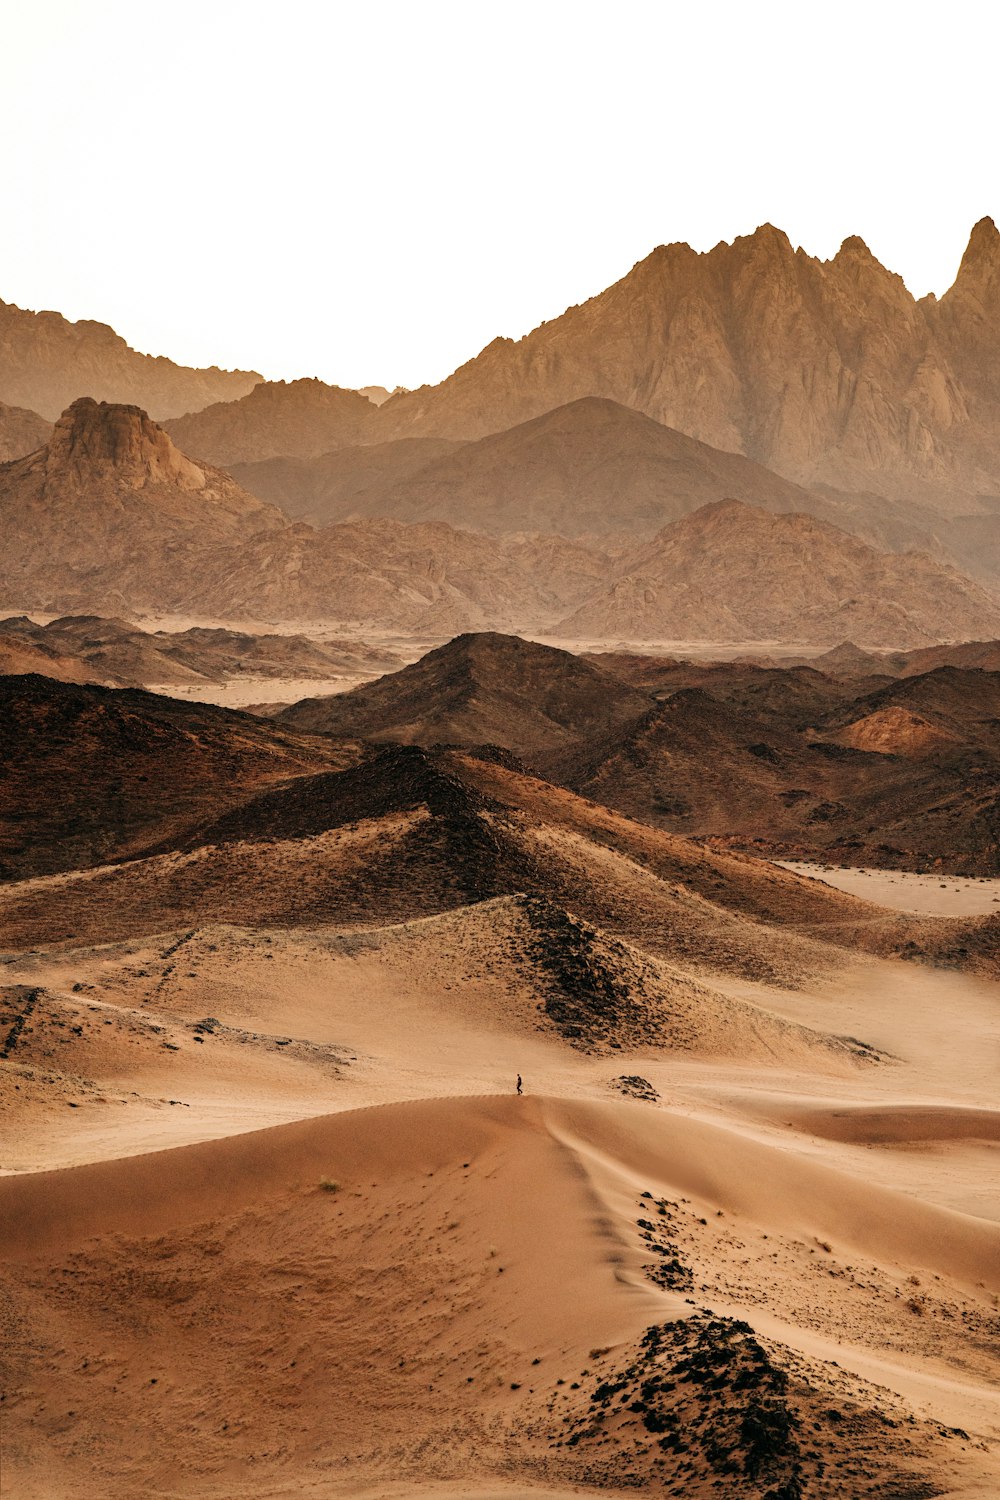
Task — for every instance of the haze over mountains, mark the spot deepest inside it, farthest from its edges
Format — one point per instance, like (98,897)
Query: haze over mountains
(165,532)
(302,418)
(733,572)
(590,467)
(115,653)
(754,372)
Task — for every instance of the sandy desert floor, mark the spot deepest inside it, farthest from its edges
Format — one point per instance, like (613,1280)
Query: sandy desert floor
(927,895)
(273,1222)
(243,692)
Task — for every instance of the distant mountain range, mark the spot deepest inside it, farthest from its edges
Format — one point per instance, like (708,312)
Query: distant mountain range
(828,372)
(731,571)
(46,362)
(591,467)
(110,517)
(301,418)
(754,374)
(115,653)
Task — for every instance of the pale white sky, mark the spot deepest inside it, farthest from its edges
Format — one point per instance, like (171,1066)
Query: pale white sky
(370,192)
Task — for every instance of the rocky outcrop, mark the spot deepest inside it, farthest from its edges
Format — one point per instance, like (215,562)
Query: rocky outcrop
(95,441)
(47,361)
(110,513)
(895,731)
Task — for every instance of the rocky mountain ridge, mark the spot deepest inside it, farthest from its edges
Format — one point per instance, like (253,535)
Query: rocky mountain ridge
(46,362)
(825,371)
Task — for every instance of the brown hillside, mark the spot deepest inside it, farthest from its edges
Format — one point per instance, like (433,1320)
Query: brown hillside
(21,432)
(151,513)
(410,834)
(92,773)
(297,418)
(736,572)
(497,689)
(589,468)
(342,485)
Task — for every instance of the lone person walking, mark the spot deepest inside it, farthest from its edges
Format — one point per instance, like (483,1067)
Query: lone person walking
(519,1089)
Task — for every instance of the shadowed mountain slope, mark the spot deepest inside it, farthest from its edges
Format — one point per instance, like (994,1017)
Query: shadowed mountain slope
(529,698)
(905,776)
(411,834)
(91,773)
(902,773)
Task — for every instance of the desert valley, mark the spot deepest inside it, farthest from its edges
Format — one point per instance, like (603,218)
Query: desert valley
(500,905)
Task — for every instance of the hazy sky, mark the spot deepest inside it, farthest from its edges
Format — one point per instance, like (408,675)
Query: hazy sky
(371,191)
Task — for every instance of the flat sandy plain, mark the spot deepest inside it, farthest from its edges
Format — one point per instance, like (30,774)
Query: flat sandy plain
(274,1223)
(901,890)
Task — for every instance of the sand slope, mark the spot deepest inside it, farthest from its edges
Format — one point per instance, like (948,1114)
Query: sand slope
(472,1255)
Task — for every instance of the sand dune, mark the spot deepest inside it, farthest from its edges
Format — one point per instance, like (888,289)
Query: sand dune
(273,1222)
(500,1248)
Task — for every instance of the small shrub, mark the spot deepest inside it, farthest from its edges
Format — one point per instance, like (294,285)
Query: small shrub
(327,1185)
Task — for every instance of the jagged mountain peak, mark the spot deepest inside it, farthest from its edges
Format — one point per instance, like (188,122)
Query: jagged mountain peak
(828,372)
(979,272)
